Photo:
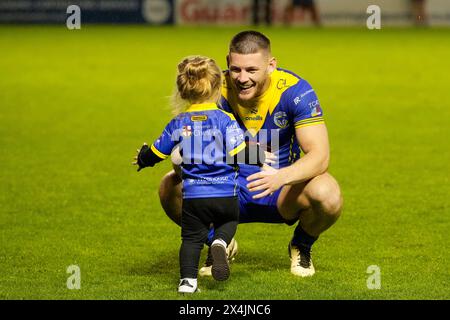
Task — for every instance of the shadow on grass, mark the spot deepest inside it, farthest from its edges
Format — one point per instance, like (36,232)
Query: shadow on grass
(163,264)
(251,264)
(250,260)
(260,260)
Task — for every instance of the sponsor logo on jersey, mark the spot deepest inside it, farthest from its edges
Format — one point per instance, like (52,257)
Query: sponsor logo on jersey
(199,118)
(299,98)
(257,118)
(187,131)
(233,126)
(281,119)
(208,180)
(281,84)
(237,139)
(315,108)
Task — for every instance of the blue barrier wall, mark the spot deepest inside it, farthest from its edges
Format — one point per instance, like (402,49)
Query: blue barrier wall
(98,11)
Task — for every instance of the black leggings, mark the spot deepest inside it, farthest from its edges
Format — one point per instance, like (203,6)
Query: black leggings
(197,216)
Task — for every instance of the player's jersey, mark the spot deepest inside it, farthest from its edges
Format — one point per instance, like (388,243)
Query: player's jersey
(206,134)
(289,103)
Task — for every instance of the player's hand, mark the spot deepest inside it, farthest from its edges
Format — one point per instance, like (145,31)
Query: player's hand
(271,158)
(268,180)
(136,161)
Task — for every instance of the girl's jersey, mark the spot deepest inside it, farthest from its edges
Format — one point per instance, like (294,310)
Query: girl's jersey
(207,137)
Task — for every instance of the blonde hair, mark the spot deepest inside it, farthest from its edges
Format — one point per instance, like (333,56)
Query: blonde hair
(198,80)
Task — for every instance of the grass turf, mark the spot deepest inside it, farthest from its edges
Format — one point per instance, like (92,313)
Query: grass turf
(74,106)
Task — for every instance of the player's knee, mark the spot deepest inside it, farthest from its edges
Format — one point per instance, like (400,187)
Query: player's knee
(333,204)
(167,186)
(170,196)
(327,196)
(163,191)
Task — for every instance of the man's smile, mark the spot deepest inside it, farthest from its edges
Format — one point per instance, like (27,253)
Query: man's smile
(245,88)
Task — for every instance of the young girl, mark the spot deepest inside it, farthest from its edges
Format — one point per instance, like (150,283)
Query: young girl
(211,143)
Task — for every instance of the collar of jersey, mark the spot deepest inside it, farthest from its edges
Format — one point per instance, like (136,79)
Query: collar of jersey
(270,88)
(264,101)
(202,107)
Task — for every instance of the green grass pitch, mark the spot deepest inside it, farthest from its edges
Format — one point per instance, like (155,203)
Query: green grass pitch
(75,105)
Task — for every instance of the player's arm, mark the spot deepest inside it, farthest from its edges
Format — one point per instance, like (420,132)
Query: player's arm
(314,142)
(158,151)
(148,157)
(312,136)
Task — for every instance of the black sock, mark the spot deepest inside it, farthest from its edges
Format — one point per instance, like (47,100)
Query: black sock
(302,239)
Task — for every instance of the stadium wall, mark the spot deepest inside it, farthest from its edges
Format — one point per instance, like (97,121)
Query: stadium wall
(221,12)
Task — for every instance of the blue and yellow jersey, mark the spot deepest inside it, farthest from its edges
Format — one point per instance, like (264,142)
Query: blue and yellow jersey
(206,136)
(289,103)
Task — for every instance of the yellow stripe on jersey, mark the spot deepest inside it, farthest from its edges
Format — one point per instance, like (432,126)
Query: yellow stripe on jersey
(230,115)
(201,107)
(159,153)
(309,124)
(254,118)
(291,144)
(308,121)
(238,149)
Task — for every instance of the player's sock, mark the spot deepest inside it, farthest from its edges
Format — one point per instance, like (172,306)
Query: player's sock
(302,239)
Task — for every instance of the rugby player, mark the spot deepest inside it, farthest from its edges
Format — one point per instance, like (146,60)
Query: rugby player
(281,111)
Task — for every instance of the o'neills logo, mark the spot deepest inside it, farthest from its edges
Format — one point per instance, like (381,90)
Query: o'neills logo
(257,118)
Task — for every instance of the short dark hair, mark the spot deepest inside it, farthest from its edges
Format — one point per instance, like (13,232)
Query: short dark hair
(247,42)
